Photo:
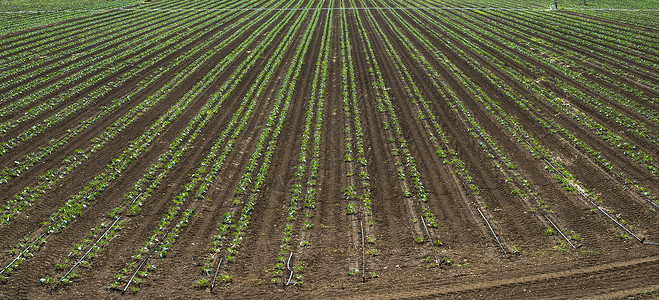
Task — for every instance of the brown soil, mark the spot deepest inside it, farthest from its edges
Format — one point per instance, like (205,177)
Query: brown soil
(605,264)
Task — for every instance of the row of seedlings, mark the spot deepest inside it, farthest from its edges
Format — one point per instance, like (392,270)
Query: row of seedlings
(519,186)
(76,205)
(144,187)
(232,228)
(358,189)
(94,44)
(433,129)
(561,174)
(409,176)
(199,182)
(28,195)
(303,191)
(549,123)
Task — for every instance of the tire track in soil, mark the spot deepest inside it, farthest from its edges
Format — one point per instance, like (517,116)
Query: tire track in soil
(602,280)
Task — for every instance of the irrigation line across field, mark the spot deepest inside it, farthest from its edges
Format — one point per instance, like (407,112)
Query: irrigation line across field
(559,231)
(216,271)
(492,230)
(324,8)
(142,264)
(23,252)
(288,266)
(432,243)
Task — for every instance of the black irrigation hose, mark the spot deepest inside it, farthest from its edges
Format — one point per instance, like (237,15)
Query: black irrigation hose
(492,230)
(559,231)
(363,253)
(23,252)
(216,271)
(83,257)
(288,266)
(432,243)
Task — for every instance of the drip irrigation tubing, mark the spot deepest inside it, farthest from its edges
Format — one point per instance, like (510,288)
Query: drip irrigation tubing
(143,262)
(601,170)
(363,252)
(559,231)
(432,243)
(216,271)
(492,230)
(83,257)
(22,252)
(288,266)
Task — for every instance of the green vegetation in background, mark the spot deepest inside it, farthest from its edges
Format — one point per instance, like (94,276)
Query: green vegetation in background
(15,22)
(14,5)
(562,4)
(628,4)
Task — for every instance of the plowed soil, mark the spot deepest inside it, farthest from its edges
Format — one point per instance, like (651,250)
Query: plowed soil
(308,147)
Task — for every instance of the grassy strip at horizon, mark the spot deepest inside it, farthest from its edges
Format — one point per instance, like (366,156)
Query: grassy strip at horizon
(21,21)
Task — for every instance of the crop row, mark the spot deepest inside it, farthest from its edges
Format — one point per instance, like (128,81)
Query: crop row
(29,194)
(567,180)
(415,194)
(75,206)
(168,160)
(303,191)
(614,139)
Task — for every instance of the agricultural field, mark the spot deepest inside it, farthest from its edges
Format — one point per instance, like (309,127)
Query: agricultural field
(329,148)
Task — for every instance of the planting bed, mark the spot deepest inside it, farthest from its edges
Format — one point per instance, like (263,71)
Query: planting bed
(331,148)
